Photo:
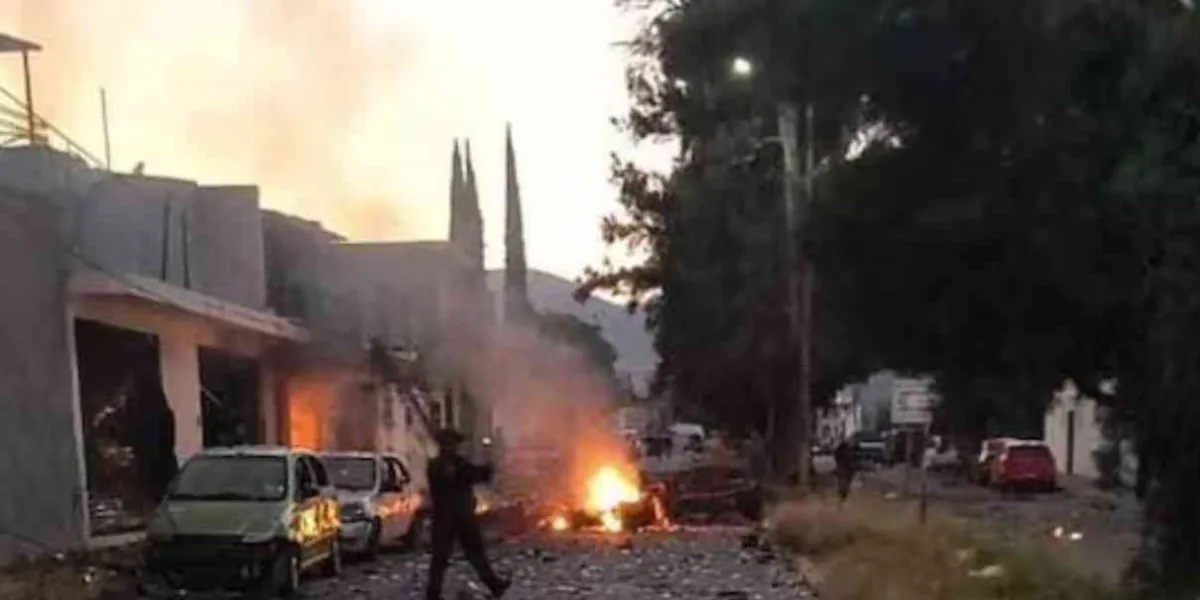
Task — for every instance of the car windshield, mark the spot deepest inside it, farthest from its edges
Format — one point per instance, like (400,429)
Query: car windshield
(233,478)
(351,473)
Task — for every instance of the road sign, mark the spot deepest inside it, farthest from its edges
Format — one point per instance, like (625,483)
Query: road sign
(912,402)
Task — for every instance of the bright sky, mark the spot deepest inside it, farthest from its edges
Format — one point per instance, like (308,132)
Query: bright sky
(344,110)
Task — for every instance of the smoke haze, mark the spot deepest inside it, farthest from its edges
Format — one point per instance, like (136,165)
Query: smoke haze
(344,110)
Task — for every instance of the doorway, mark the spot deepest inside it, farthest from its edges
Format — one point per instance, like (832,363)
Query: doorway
(230,392)
(128,426)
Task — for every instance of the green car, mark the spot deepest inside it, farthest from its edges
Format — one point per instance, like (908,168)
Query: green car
(244,518)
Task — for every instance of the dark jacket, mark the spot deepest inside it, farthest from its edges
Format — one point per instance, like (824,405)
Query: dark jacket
(452,481)
(846,457)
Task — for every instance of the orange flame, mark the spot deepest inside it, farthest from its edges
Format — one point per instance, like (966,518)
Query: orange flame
(607,491)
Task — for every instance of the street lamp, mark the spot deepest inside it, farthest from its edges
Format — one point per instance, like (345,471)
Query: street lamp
(741,67)
(800,285)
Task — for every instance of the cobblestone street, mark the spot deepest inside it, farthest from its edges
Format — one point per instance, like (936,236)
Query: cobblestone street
(691,563)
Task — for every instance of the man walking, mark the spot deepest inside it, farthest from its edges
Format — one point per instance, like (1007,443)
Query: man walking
(451,487)
(845,456)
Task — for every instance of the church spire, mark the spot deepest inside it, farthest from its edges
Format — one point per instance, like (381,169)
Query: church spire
(472,239)
(516,292)
(457,197)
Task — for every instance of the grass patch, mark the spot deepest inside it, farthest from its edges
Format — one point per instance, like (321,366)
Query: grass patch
(875,549)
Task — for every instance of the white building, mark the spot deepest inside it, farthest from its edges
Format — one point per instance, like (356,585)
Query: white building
(841,420)
(1074,431)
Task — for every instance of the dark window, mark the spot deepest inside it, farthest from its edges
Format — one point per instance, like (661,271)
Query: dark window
(229,399)
(320,475)
(401,472)
(390,482)
(304,477)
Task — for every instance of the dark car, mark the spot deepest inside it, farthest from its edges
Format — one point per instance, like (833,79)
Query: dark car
(871,449)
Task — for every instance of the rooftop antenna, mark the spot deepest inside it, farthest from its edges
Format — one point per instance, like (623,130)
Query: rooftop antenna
(10,44)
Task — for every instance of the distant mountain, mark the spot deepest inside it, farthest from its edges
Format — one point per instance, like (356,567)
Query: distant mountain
(627,333)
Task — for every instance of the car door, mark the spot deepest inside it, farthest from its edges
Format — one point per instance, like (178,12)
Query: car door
(328,517)
(386,501)
(404,497)
(306,516)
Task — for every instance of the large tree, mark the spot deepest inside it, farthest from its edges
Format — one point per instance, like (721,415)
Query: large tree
(1020,207)
(585,337)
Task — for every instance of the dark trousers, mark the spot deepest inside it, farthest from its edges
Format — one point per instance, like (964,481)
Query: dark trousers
(464,530)
(845,477)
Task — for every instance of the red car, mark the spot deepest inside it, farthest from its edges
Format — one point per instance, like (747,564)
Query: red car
(1024,464)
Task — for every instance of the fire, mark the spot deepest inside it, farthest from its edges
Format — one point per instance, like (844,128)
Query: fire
(559,523)
(611,522)
(607,491)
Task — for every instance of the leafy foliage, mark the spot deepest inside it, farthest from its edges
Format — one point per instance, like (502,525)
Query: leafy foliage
(587,338)
(1020,208)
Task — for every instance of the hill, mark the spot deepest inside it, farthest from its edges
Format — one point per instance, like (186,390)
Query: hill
(627,333)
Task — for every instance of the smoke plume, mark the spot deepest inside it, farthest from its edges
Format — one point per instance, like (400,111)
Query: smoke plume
(310,100)
(548,398)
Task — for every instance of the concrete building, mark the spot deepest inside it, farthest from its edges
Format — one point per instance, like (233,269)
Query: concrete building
(146,318)
(151,312)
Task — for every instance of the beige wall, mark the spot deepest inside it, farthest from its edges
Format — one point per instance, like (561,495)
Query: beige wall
(1088,437)
(180,336)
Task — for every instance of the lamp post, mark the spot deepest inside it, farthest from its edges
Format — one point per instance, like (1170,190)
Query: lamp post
(799,272)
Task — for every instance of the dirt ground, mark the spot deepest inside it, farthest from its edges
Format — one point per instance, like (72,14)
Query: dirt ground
(1094,530)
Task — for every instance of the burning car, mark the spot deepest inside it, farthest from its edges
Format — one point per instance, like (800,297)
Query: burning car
(614,501)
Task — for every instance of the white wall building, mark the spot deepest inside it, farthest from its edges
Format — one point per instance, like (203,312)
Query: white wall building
(842,419)
(1074,430)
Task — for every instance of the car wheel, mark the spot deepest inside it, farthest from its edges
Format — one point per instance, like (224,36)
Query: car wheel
(333,564)
(414,538)
(373,540)
(284,578)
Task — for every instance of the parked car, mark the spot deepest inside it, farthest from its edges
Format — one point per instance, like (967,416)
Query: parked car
(940,455)
(872,449)
(1024,463)
(379,504)
(989,450)
(246,518)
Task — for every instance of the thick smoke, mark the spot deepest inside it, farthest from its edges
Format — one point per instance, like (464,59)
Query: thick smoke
(548,398)
(310,100)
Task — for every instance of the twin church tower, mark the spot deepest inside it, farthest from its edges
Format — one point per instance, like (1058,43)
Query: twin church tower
(466,225)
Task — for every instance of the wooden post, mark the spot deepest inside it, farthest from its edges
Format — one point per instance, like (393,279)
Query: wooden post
(923,512)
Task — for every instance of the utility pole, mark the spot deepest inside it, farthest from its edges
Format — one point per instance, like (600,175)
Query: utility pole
(104,125)
(799,273)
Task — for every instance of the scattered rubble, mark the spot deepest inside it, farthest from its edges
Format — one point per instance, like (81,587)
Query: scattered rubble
(691,563)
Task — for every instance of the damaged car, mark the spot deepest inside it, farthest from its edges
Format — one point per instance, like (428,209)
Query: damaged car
(380,506)
(248,519)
